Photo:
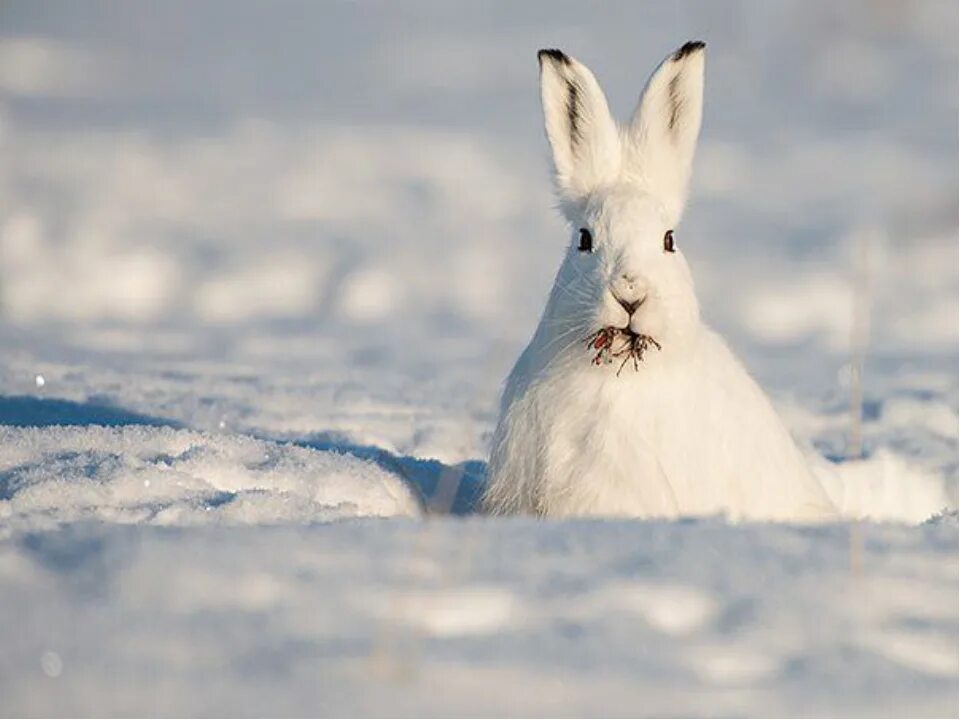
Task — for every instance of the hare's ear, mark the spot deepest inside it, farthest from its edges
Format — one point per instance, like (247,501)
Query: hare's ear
(583,136)
(664,128)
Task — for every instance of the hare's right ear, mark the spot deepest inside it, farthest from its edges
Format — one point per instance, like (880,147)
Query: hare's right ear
(582,134)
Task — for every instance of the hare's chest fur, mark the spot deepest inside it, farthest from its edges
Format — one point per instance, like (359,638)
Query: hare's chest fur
(606,449)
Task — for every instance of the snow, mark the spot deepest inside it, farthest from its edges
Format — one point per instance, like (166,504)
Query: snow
(479,617)
(135,474)
(886,487)
(256,307)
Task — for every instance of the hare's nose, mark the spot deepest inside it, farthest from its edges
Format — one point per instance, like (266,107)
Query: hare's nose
(629,305)
(629,291)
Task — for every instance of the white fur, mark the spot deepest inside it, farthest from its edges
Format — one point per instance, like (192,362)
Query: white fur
(689,433)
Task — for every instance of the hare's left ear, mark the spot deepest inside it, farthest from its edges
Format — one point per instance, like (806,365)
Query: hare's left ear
(664,128)
(582,134)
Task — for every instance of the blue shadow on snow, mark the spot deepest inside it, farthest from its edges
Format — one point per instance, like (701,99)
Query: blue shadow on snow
(27,411)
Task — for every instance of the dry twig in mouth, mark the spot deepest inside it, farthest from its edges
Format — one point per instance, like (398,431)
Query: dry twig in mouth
(634,346)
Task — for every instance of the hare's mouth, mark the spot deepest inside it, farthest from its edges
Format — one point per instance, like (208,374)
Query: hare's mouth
(612,343)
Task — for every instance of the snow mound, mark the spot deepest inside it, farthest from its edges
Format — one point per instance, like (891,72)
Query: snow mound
(884,487)
(163,476)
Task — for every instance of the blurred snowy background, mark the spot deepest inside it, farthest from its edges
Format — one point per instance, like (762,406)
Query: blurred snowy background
(331,223)
(360,191)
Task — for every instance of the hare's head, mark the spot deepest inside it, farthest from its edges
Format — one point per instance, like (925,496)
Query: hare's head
(623,188)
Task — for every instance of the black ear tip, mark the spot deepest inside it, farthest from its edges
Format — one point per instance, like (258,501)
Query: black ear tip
(553,55)
(688,48)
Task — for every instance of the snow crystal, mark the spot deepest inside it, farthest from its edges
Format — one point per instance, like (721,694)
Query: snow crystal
(52,664)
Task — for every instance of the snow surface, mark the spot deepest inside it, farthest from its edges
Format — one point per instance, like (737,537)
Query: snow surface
(474,618)
(263,273)
(136,474)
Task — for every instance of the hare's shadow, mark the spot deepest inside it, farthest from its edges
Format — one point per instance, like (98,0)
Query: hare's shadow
(444,489)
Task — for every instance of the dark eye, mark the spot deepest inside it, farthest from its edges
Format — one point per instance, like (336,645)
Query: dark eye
(668,245)
(586,241)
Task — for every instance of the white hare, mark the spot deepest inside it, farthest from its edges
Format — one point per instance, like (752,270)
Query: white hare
(624,403)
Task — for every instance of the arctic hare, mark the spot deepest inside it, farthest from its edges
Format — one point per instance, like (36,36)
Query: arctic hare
(624,403)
